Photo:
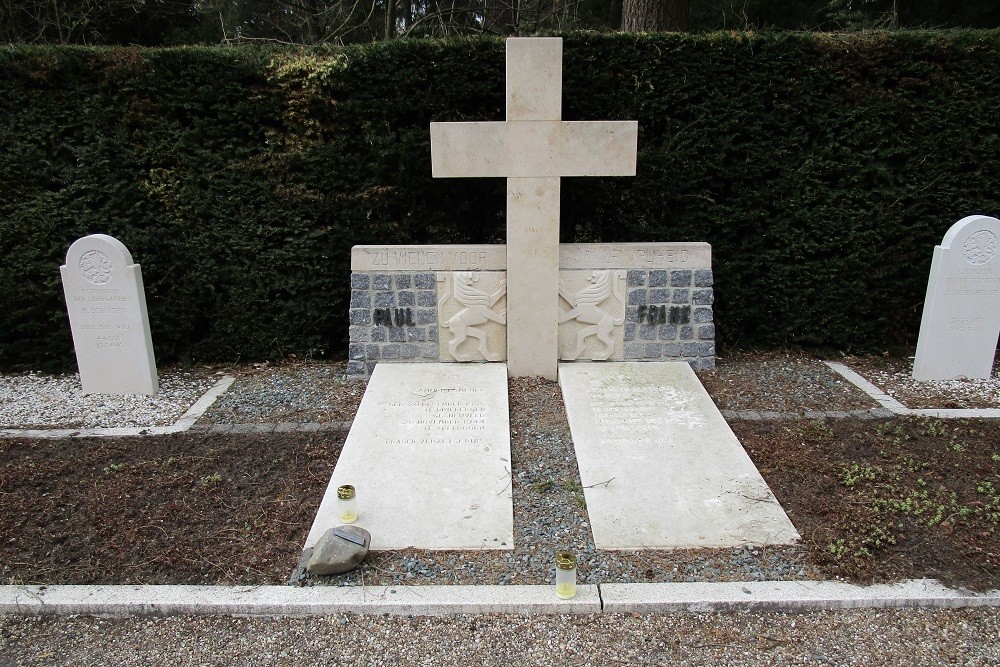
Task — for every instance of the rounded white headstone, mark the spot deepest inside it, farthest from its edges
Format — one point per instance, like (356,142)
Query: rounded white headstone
(106,303)
(961,319)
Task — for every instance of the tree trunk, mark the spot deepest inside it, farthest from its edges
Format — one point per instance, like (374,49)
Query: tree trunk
(655,15)
(390,19)
(500,18)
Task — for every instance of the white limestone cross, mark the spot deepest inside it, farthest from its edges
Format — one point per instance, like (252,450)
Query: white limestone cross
(532,150)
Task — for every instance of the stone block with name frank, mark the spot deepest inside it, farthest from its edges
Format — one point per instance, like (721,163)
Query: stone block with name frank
(961,319)
(106,302)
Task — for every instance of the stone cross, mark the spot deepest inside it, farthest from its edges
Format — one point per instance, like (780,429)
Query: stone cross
(532,150)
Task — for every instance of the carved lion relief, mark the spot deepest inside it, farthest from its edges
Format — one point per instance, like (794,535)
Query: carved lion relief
(472,316)
(592,315)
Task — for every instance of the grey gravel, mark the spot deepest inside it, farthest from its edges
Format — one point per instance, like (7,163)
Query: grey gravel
(781,382)
(858,637)
(301,392)
(35,400)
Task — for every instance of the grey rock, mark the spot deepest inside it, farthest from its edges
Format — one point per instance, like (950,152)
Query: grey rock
(336,555)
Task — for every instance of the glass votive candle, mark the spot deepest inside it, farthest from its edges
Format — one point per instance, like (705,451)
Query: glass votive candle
(347,503)
(565,575)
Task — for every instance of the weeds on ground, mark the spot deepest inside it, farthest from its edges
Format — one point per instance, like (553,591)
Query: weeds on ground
(914,479)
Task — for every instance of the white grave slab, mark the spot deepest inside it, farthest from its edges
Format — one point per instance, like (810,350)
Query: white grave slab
(106,302)
(961,319)
(532,150)
(661,468)
(429,455)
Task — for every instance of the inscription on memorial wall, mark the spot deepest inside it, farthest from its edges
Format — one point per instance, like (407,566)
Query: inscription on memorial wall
(418,259)
(393,317)
(664,314)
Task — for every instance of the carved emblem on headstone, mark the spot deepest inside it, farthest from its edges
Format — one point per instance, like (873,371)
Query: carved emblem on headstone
(598,307)
(96,267)
(470,307)
(981,247)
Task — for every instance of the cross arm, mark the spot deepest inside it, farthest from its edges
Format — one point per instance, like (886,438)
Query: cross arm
(533,149)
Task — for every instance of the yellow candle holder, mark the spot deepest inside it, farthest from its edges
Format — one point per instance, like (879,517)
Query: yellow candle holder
(347,503)
(565,575)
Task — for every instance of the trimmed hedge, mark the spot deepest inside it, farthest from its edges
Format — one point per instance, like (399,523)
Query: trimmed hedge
(822,169)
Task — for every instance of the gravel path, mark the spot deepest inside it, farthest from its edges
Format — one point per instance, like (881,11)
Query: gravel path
(32,400)
(858,637)
(781,382)
(315,393)
(306,393)
(892,375)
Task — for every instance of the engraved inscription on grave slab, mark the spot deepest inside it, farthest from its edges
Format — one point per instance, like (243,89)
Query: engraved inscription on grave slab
(660,467)
(429,453)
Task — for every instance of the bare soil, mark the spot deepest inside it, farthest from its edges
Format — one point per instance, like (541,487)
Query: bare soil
(192,509)
(881,500)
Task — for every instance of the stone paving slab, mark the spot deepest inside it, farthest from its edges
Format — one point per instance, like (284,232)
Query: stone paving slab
(660,467)
(429,455)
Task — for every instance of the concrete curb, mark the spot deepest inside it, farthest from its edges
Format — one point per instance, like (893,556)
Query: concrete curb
(291,601)
(897,408)
(183,423)
(793,596)
(788,596)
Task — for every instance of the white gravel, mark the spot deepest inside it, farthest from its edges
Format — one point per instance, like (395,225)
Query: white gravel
(38,401)
(857,637)
(893,376)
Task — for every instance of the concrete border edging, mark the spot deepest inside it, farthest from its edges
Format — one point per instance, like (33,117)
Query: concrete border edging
(788,596)
(436,600)
(183,423)
(891,404)
(293,601)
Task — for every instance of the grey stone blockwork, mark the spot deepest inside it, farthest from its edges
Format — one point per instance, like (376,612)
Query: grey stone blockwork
(694,340)
(401,293)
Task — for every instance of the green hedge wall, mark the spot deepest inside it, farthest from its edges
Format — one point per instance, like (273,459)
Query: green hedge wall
(822,169)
